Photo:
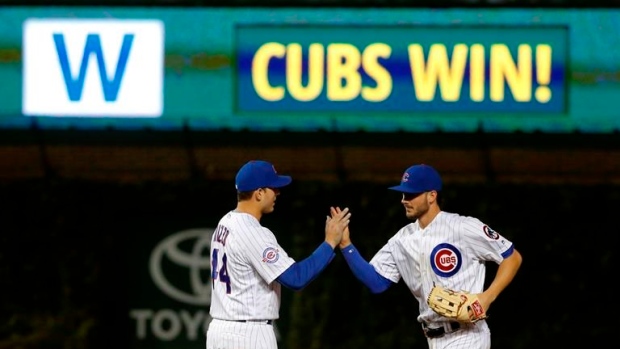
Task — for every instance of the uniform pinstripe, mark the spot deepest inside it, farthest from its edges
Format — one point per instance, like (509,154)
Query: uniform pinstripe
(246,259)
(249,267)
(474,336)
(451,251)
(238,335)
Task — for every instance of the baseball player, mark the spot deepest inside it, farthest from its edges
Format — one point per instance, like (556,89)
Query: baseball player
(248,266)
(438,248)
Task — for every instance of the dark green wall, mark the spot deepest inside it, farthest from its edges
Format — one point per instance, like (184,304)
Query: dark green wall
(62,243)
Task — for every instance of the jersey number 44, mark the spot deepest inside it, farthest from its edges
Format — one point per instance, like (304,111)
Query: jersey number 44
(220,275)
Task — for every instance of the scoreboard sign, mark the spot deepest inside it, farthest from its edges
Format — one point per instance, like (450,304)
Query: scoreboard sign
(402,68)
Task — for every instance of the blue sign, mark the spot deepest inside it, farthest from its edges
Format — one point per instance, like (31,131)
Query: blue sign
(402,68)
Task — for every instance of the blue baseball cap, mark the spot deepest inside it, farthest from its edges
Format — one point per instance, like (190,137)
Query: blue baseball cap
(259,174)
(419,179)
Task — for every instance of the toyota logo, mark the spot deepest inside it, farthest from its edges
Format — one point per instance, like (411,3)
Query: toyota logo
(195,260)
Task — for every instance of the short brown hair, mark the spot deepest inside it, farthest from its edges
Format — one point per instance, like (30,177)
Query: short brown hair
(244,195)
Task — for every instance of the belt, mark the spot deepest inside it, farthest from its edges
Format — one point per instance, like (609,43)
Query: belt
(448,327)
(266,322)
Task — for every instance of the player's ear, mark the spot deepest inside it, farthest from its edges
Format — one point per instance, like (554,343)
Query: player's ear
(258,194)
(431,196)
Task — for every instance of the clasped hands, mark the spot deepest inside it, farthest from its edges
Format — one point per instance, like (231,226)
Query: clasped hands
(337,227)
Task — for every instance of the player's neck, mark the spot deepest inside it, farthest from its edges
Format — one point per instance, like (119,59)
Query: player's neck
(428,217)
(249,208)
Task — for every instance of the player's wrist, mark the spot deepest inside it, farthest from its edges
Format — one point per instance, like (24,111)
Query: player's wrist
(333,244)
(343,245)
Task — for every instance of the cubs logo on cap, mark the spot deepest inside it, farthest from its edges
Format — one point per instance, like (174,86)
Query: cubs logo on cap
(419,179)
(259,174)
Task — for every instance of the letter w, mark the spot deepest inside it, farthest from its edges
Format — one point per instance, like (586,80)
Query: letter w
(93,45)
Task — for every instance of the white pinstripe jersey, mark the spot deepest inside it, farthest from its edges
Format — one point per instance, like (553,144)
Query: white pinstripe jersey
(451,251)
(245,260)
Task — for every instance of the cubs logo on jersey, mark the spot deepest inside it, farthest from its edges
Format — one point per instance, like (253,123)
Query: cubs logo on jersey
(492,234)
(271,255)
(445,260)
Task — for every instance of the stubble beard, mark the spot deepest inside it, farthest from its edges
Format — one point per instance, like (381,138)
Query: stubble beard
(415,213)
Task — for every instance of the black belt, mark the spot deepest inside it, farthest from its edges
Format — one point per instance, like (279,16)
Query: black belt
(267,322)
(440,331)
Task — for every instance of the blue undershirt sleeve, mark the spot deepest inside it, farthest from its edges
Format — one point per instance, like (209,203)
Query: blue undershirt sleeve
(365,272)
(300,274)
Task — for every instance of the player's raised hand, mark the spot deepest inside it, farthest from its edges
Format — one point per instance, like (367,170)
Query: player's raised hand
(346,238)
(335,226)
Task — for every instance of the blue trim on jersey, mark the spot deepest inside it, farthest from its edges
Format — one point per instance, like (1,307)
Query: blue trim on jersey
(365,272)
(300,274)
(508,252)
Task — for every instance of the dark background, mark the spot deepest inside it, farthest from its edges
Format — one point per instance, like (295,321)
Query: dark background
(68,200)
(61,265)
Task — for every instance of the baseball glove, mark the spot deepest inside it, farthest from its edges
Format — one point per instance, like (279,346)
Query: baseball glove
(460,306)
